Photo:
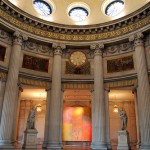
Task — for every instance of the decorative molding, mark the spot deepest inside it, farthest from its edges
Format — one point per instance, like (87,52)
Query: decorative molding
(34,82)
(122,83)
(125,25)
(77,86)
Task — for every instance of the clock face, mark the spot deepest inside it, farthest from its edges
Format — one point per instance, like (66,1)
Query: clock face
(78,58)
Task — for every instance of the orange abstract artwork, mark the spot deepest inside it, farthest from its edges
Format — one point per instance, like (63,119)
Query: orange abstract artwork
(77,124)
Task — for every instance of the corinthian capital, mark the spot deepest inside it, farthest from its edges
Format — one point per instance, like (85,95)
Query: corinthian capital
(98,48)
(58,48)
(136,36)
(18,38)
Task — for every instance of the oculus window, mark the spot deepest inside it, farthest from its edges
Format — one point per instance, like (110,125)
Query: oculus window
(78,14)
(42,7)
(114,8)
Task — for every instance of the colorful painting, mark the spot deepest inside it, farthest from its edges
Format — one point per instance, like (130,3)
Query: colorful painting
(2,53)
(35,63)
(120,64)
(77,124)
(70,69)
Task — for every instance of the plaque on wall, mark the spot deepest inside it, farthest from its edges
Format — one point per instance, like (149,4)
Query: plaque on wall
(35,63)
(2,52)
(120,64)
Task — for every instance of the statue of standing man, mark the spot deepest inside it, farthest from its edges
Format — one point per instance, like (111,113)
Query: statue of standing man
(31,119)
(123,117)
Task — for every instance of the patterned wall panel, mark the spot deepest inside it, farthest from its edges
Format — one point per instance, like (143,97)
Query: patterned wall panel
(120,64)
(35,63)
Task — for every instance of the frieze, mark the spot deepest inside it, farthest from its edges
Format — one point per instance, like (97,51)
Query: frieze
(37,48)
(5,37)
(86,36)
(117,49)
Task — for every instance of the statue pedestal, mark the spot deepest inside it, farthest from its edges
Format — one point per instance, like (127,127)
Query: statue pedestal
(123,143)
(30,139)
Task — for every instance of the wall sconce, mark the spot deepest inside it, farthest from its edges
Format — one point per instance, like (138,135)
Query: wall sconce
(39,108)
(115,109)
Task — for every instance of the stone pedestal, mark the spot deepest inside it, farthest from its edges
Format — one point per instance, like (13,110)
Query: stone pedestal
(123,140)
(30,139)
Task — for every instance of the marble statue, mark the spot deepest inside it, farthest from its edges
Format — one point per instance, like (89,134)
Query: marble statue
(123,117)
(31,119)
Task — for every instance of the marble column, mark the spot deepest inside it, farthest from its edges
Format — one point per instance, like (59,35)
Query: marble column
(46,133)
(107,90)
(55,113)
(137,110)
(143,89)
(16,123)
(10,102)
(98,105)
(2,90)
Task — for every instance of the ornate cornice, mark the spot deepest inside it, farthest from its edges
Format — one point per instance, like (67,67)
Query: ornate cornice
(120,27)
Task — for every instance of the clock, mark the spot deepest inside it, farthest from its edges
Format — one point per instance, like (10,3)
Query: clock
(78,58)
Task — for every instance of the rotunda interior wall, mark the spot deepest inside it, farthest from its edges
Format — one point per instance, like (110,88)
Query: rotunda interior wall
(117,52)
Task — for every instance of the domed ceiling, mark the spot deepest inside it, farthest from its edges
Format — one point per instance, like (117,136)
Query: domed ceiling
(94,9)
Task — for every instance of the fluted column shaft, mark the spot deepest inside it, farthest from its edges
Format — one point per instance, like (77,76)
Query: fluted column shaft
(46,133)
(137,110)
(98,106)
(10,101)
(54,119)
(2,90)
(107,90)
(143,89)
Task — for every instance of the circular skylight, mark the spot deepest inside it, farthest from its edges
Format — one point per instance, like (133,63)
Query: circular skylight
(78,13)
(42,7)
(114,8)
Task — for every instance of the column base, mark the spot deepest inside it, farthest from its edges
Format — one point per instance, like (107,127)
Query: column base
(54,146)
(144,147)
(109,147)
(98,146)
(5,144)
(44,145)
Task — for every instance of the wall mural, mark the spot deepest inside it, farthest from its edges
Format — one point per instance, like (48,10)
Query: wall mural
(120,64)
(70,69)
(77,124)
(35,63)
(2,53)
